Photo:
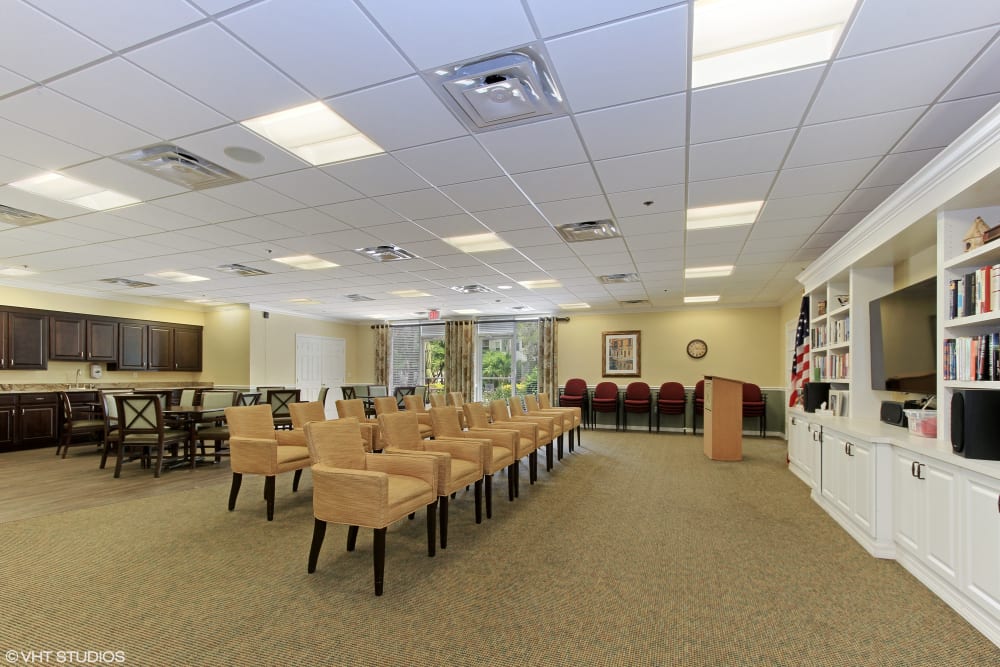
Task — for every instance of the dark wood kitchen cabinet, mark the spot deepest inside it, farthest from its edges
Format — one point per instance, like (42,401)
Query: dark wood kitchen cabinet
(67,337)
(133,347)
(102,340)
(187,349)
(38,418)
(26,341)
(161,348)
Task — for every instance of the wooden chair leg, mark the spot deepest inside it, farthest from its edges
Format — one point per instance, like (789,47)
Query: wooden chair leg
(378,557)
(511,476)
(533,467)
(479,500)
(118,459)
(352,537)
(443,513)
(431,522)
(548,456)
(269,496)
(319,532)
(159,461)
(559,455)
(234,490)
(295,480)
(489,496)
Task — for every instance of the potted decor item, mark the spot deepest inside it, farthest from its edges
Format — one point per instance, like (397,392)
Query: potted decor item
(974,237)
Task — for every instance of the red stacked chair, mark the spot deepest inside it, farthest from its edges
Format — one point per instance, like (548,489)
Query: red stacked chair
(671,400)
(754,405)
(575,396)
(699,405)
(638,400)
(605,400)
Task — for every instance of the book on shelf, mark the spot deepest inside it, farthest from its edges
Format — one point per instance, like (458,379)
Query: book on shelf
(975,293)
(972,358)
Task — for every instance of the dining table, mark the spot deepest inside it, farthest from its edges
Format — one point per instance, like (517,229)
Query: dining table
(188,417)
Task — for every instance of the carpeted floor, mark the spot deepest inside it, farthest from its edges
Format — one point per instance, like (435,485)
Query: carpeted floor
(636,550)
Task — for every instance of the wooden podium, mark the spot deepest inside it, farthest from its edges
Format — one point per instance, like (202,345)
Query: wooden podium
(723,419)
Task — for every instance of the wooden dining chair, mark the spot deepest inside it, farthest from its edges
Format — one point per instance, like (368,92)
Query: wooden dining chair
(141,427)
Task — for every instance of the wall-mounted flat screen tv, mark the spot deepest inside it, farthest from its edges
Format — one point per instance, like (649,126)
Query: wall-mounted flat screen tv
(903,339)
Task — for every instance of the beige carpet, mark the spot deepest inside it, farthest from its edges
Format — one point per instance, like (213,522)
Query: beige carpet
(636,550)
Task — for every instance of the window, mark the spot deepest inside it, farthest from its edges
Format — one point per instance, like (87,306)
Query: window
(508,359)
(417,355)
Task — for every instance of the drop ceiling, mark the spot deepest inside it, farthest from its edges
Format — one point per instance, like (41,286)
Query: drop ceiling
(821,145)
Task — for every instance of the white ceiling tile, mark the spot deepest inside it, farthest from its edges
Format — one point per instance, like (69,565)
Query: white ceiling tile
(114,226)
(201,207)
(361,212)
(897,168)
(907,76)
(486,194)
(765,257)
(30,147)
(822,240)
(305,221)
(13,170)
(210,64)
(265,229)
(376,175)
(59,116)
(418,204)
(850,139)
(752,187)
(453,225)
(980,78)
(801,207)
(447,31)
(833,177)
(711,250)
(866,199)
(118,24)
(336,32)
(559,183)
(945,121)
(123,91)
(724,235)
(312,187)
(122,178)
(841,222)
(665,199)
(552,18)
(764,104)
(212,145)
(587,249)
(452,161)
(254,198)
(9,82)
(196,240)
(155,216)
(64,48)
(427,118)
(516,217)
(656,223)
(765,244)
(27,201)
(638,127)
(878,23)
(553,143)
(735,157)
(645,170)
(400,232)
(526,239)
(653,49)
(791,227)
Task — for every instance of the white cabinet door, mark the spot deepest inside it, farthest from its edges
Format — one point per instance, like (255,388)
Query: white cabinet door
(906,505)
(861,484)
(835,472)
(802,450)
(982,542)
(940,507)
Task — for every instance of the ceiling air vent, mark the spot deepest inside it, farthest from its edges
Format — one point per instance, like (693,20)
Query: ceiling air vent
(504,88)
(179,166)
(242,270)
(125,282)
(592,230)
(15,216)
(359,297)
(472,289)
(521,308)
(615,278)
(386,253)
(635,302)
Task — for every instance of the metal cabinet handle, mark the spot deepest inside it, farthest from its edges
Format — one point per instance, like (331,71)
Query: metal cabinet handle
(913,469)
(849,448)
(920,470)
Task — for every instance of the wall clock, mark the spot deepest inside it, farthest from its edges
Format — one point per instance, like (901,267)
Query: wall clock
(697,348)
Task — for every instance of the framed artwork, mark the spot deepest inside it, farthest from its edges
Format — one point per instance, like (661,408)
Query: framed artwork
(620,354)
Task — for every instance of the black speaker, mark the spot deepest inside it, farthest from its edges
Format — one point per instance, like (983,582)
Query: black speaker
(975,418)
(815,394)
(892,413)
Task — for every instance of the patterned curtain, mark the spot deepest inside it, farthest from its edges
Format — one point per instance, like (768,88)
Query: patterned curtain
(460,356)
(548,358)
(382,348)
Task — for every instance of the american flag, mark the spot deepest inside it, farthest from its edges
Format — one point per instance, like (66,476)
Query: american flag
(800,358)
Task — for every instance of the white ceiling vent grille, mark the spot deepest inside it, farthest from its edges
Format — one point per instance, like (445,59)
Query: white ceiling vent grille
(472,289)
(242,270)
(15,216)
(359,297)
(179,166)
(592,230)
(615,278)
(635,302)
(504,88)
(126,282)
(386,253)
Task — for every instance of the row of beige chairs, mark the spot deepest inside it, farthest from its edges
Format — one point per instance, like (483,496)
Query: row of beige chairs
(354,486)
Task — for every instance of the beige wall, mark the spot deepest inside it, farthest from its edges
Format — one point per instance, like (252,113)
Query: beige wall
(272,347)
(743,343)
(916,268)
(226,346)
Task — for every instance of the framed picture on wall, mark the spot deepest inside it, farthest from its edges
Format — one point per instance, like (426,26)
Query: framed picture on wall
(620,354)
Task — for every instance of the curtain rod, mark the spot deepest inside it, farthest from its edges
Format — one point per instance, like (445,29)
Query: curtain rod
(443,322)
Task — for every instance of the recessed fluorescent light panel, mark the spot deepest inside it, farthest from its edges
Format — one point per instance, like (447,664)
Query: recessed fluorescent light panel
(69,190)
(574,306)
(307,262)
(409,293)
(477,242)
(701,299)
(315,133)
(591,230)
(736,39)
(386,253)
(539,284)
(708,271)
(207,302)
(467,311)
(725,215)
(304,301)
(178,276)
(16,271)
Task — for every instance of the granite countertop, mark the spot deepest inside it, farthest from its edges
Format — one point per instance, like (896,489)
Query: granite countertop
(72,387)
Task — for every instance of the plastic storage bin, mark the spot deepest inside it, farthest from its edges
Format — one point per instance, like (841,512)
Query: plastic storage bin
(922,422)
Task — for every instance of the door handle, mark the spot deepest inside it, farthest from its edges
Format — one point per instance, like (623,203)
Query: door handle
(920,470)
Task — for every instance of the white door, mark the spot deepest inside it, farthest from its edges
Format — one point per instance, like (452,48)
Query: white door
(319,361)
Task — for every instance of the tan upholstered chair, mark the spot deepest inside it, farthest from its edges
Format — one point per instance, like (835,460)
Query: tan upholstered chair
(437,400)
(549,427)
(313,411)
(500,455)
(529,441)
(563,417)
(460,462)
(256,448)
(387,405)
(575,412)
(415,403)
(355,407)
(360,489)
(456,399)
